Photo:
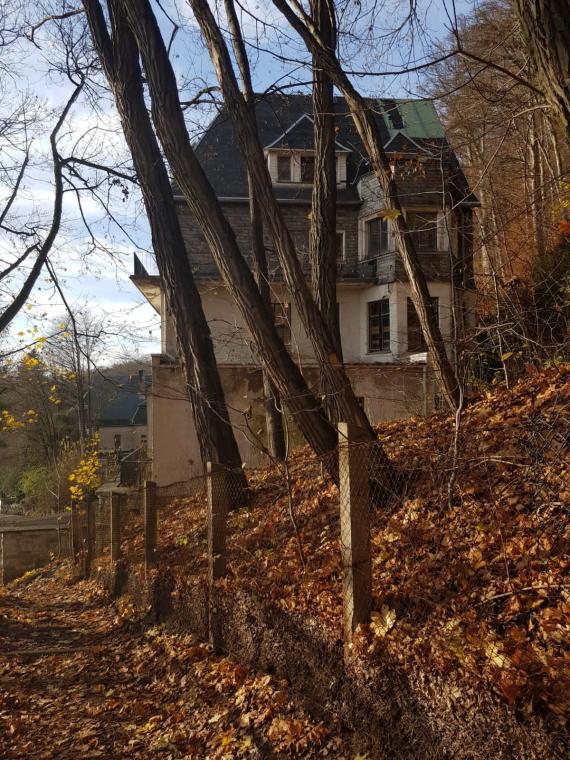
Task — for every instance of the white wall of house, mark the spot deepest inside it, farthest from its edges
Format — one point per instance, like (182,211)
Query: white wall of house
(130,437)
(233,343)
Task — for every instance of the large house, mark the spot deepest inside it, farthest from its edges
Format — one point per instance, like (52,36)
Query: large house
(382,343)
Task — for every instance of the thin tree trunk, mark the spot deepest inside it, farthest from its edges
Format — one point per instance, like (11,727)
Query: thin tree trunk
(273,417)
(204,204)
(372,141)
(330,365)
(322,231)
(119,57)
(322,238)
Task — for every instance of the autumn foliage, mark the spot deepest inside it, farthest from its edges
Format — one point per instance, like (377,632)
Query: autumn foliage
(476,590)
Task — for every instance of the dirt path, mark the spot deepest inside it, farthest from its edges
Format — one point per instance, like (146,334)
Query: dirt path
(77,680)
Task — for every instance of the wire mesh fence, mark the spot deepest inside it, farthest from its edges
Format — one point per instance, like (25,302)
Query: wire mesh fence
(441,542)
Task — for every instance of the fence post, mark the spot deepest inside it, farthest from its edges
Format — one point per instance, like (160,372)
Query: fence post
(217,511)
(88,538)
(150,523)
(115,526)
(75,545)
(354,530)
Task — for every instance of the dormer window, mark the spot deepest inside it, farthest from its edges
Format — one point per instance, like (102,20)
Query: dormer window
(307,162)
(284,167)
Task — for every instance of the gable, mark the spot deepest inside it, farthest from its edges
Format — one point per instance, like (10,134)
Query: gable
(300,136)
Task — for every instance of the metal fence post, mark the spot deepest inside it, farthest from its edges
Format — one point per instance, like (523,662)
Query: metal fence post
(354,529)
(217,511)
(115,526)
(150,523)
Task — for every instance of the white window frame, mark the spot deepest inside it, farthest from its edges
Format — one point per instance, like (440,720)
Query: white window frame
(363,235)
(342,257)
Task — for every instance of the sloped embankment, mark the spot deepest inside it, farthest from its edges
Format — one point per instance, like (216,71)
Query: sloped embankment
(469,651)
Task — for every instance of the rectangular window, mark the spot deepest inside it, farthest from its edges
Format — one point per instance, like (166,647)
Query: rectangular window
(423,228)
(284,167)
(416,340)
(282,317)
(340,246)
(307,169)
(376,237)
(379,325)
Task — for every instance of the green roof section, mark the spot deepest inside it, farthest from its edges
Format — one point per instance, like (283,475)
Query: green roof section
(419,117)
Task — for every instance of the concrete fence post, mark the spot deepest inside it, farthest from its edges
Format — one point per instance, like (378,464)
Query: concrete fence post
(353,458)
(217,511)
(89,538)
(150,523)
(74,532)
(115,526)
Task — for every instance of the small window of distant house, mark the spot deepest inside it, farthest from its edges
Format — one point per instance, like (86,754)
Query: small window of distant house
(307,168)
(379,325)
(340,245)
(282,317)
(284,167)
(416,340)
(423,227)
(376,237)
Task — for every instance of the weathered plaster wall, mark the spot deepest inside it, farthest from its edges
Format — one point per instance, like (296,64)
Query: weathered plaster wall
(388,392)
(132,436)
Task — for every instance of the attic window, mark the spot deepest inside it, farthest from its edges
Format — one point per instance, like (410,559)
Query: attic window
(307,169)
(284,167)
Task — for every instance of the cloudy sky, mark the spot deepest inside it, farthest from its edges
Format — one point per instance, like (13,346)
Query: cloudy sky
(94,251)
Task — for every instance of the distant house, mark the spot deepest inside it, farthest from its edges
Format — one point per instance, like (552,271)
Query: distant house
(122,423)
(382,343)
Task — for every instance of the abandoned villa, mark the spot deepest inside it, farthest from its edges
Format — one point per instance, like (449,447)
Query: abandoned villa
(382,342)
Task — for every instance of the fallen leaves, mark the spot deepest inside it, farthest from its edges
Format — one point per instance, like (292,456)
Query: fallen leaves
(135,694)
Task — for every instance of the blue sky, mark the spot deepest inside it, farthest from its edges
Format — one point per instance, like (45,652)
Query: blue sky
(95,264)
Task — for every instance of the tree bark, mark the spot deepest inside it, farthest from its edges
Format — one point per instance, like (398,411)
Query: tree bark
(119,57)
(337,384)
(322,236)
(204,204)
(322,230)
(372,141)
(273,417)
(546,27)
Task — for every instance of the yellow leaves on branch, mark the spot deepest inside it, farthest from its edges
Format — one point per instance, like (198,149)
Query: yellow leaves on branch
(9,423)
(85,478)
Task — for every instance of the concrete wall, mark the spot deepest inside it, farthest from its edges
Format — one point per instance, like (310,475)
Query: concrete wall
(132,436)
(29,544)
(388,392)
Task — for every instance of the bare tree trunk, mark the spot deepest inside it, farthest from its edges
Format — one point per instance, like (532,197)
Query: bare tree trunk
(119,57)
(546,27)
(372,141)
(273,416)
(168,118)
(322,230)
(322,239)
(337,384)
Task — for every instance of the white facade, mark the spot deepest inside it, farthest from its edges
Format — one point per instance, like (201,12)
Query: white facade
(233,344)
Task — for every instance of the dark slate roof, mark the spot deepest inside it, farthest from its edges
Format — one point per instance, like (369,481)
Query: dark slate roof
(410,126)
(128,407)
